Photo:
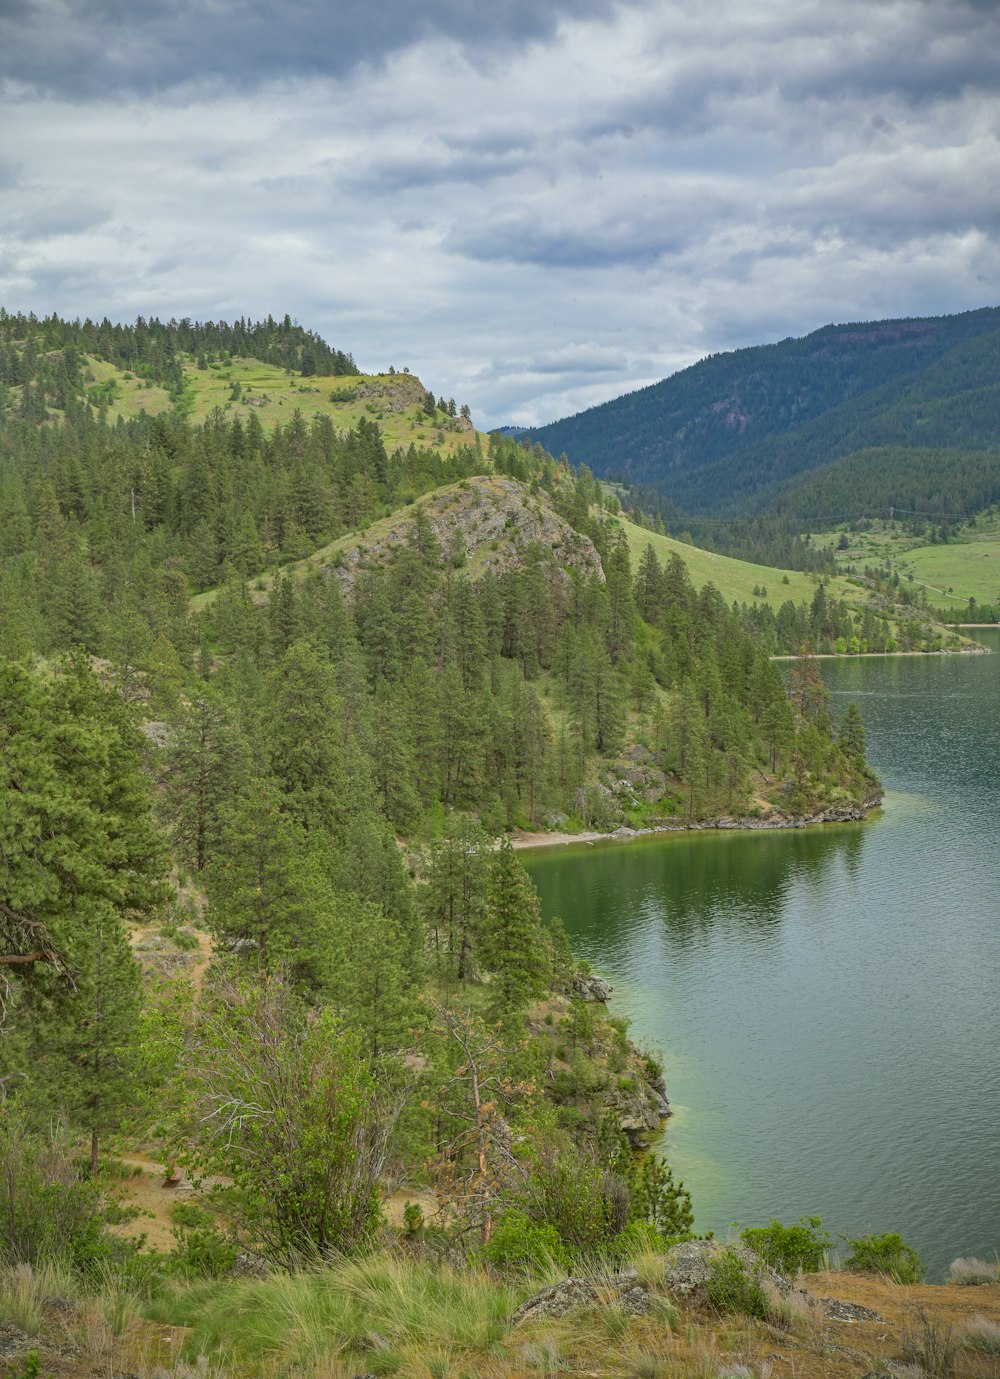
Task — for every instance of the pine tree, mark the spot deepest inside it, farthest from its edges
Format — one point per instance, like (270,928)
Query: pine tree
(453,900)
(514,942)
(852,732)
(205,767)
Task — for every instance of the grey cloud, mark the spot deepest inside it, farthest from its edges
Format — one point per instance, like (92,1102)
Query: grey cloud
(573,362)
(63,217)
(578,359)
(90,48)
(10,175)
(393,175)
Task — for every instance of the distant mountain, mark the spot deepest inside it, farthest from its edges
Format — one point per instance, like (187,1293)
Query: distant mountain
(780,428)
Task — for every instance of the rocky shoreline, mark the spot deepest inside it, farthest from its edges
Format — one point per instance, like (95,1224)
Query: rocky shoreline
(833,814)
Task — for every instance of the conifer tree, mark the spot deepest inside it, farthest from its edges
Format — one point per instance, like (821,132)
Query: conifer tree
(514,943)
(453,900)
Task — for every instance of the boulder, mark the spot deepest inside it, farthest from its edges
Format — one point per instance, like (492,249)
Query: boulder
(591,988)
(688,1268)
(614,1290)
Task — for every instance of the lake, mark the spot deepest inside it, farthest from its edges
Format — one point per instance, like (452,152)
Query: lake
(828,999)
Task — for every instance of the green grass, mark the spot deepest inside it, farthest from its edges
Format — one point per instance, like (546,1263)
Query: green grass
(131,394)
(735,579)
(273,396)
(967,567)
(380,1306)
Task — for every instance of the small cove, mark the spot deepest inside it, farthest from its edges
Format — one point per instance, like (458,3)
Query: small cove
(827,999)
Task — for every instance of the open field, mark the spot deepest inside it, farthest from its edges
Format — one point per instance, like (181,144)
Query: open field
(952,573)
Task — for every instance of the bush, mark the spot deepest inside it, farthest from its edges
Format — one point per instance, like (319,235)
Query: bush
(286,1106)
(517,1243)
(51,1213)
(789,1248)
(202,1252)
(886,1254)
(735,1286)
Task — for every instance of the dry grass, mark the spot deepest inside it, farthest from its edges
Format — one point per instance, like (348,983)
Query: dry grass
(412,1319)
(971,1272)
(983,1335)
(929,1342)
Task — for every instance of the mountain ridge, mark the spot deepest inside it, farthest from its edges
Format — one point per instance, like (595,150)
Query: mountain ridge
(710,438)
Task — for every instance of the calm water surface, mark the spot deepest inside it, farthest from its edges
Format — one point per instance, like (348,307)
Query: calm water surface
(828,1000)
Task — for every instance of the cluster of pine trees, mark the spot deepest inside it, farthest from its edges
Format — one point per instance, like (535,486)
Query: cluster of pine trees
(46,354)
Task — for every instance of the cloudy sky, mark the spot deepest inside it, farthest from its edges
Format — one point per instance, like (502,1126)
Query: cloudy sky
(534,204)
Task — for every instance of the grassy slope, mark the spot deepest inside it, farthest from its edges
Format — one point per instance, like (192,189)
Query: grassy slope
(378,535)
(418,1318)
(133,394)
(968,566)
(276,394)
(735,579)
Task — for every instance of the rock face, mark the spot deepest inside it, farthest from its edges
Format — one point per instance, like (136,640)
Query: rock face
(592,988)
(621,1290)
(641,1113)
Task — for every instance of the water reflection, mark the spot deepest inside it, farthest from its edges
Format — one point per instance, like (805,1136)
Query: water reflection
(691,885)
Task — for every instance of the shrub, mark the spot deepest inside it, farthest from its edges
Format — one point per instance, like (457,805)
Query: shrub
(202,1252)
(735,1286)
(51,1214)
(517,1243)
(286,1106)
(886,1254)
(789,1248)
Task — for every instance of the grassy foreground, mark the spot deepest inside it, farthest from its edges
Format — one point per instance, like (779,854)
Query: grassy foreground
(415,1315)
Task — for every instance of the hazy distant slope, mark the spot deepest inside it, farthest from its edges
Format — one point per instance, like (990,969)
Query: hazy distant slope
(716,434)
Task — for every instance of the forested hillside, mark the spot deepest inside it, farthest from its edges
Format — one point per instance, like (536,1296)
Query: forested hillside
(879,415)
(272,702)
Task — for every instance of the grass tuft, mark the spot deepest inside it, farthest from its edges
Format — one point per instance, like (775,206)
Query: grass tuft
(973,1271)
(929,1342)
(983,1335)
(376,1306)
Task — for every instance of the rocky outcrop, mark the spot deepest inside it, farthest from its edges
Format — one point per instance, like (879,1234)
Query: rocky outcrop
(641,1111)
(688,1269)
(489,522)
(622,1291)
(591,988)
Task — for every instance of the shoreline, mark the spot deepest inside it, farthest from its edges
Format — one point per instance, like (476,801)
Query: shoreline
(522,840)
(977,649)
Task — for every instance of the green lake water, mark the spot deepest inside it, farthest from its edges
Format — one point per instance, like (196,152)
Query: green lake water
(828,999)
